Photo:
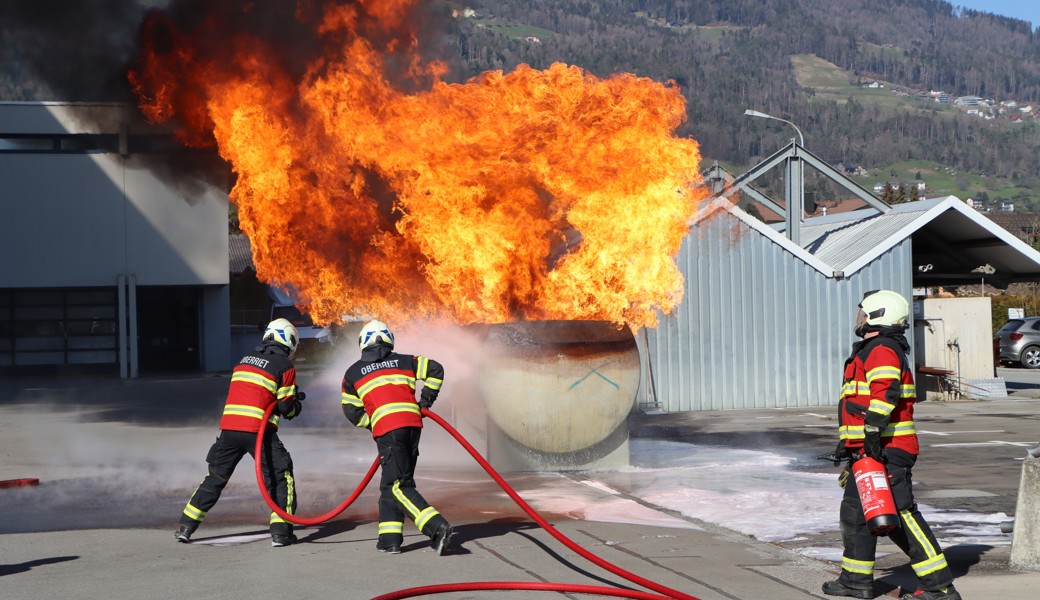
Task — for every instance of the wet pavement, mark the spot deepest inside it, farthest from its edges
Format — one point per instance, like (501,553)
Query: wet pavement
(717,505)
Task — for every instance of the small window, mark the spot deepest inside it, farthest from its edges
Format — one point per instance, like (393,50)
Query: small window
(1012,325)
(27,144)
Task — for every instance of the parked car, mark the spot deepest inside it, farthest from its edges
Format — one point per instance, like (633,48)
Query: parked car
(1020,342)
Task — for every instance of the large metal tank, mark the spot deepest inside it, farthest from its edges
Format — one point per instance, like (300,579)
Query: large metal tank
(558,393)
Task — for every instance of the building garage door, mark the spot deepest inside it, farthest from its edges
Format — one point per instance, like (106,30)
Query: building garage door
(46,329)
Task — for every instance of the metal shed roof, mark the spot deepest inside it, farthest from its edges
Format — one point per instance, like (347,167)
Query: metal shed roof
(953,244)
(240,254)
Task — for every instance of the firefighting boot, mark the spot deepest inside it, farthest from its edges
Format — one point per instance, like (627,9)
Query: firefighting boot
(279,540)
(390,545)
(837,588)
(441,537)
(183,533)
(946,593)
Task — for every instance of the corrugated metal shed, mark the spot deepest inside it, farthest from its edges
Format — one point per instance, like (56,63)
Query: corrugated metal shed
(843,242)
(763,322)
(766,322)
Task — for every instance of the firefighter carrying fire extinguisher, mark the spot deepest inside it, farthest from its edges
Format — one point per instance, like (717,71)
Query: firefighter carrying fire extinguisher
(876,416)
(379,394)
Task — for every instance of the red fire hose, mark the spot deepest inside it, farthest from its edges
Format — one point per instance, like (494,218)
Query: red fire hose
(280,511)
(667,593)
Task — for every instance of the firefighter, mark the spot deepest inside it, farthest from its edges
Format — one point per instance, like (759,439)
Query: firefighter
(379,394)
(263,377)
(876,416)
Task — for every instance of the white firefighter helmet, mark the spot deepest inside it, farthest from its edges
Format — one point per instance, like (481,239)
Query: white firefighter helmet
(374,332)
(885,308)
(283,332)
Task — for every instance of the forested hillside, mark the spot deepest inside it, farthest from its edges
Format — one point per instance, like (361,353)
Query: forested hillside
(875,84)
(730,55)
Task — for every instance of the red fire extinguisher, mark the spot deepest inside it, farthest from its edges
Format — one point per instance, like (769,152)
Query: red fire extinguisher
(875,494)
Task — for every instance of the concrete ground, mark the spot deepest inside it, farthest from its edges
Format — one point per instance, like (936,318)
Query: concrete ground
(117,460)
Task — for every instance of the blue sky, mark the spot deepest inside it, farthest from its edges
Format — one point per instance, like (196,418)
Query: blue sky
(1027,10)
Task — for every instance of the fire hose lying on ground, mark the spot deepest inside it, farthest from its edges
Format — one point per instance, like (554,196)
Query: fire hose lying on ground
(663,592)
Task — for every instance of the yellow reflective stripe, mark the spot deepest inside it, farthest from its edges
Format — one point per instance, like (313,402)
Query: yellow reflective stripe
(351,400)
(394,407)
(243,410)
(424,363)
(276,519)
(286,391)
(855,432)
(193,513)
(930,566)
(290,492)
(391,527)
(884,372)
(424,517)
(365,422)
(908,390)
(850,432)
(900,428)
(256,379)
(403,500)
(862,567)
(251,412)
(386,380)
(881,407)
(855,388)
(433,383)
(914,528)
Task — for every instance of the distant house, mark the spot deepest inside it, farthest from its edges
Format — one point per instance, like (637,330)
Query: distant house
(920,185)
(1007,206)
(968,101)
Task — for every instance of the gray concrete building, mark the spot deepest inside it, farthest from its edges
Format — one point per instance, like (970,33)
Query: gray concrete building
(111,263)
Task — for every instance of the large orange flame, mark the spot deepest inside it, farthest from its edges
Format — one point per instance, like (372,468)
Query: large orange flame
(374,187)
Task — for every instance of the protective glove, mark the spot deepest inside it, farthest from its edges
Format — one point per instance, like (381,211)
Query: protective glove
(843,478)
(293,410)
(872,443)
(427,398)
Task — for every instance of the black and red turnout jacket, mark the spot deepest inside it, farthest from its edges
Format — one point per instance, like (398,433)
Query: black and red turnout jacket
(378,391)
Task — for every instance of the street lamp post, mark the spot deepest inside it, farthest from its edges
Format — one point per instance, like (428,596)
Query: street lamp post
(793,179)
(755,113)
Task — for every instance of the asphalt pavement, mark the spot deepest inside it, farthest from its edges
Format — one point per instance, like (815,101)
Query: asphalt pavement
(117,460)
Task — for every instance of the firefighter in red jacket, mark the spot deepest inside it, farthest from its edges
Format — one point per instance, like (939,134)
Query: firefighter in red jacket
(379,394)
(876,416)
(264,377)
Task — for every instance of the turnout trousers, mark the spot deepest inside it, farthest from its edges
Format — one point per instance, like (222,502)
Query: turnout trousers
(914,537)
(398,454)
(224,455)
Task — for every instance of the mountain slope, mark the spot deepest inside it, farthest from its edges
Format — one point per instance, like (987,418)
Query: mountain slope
(729,55)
